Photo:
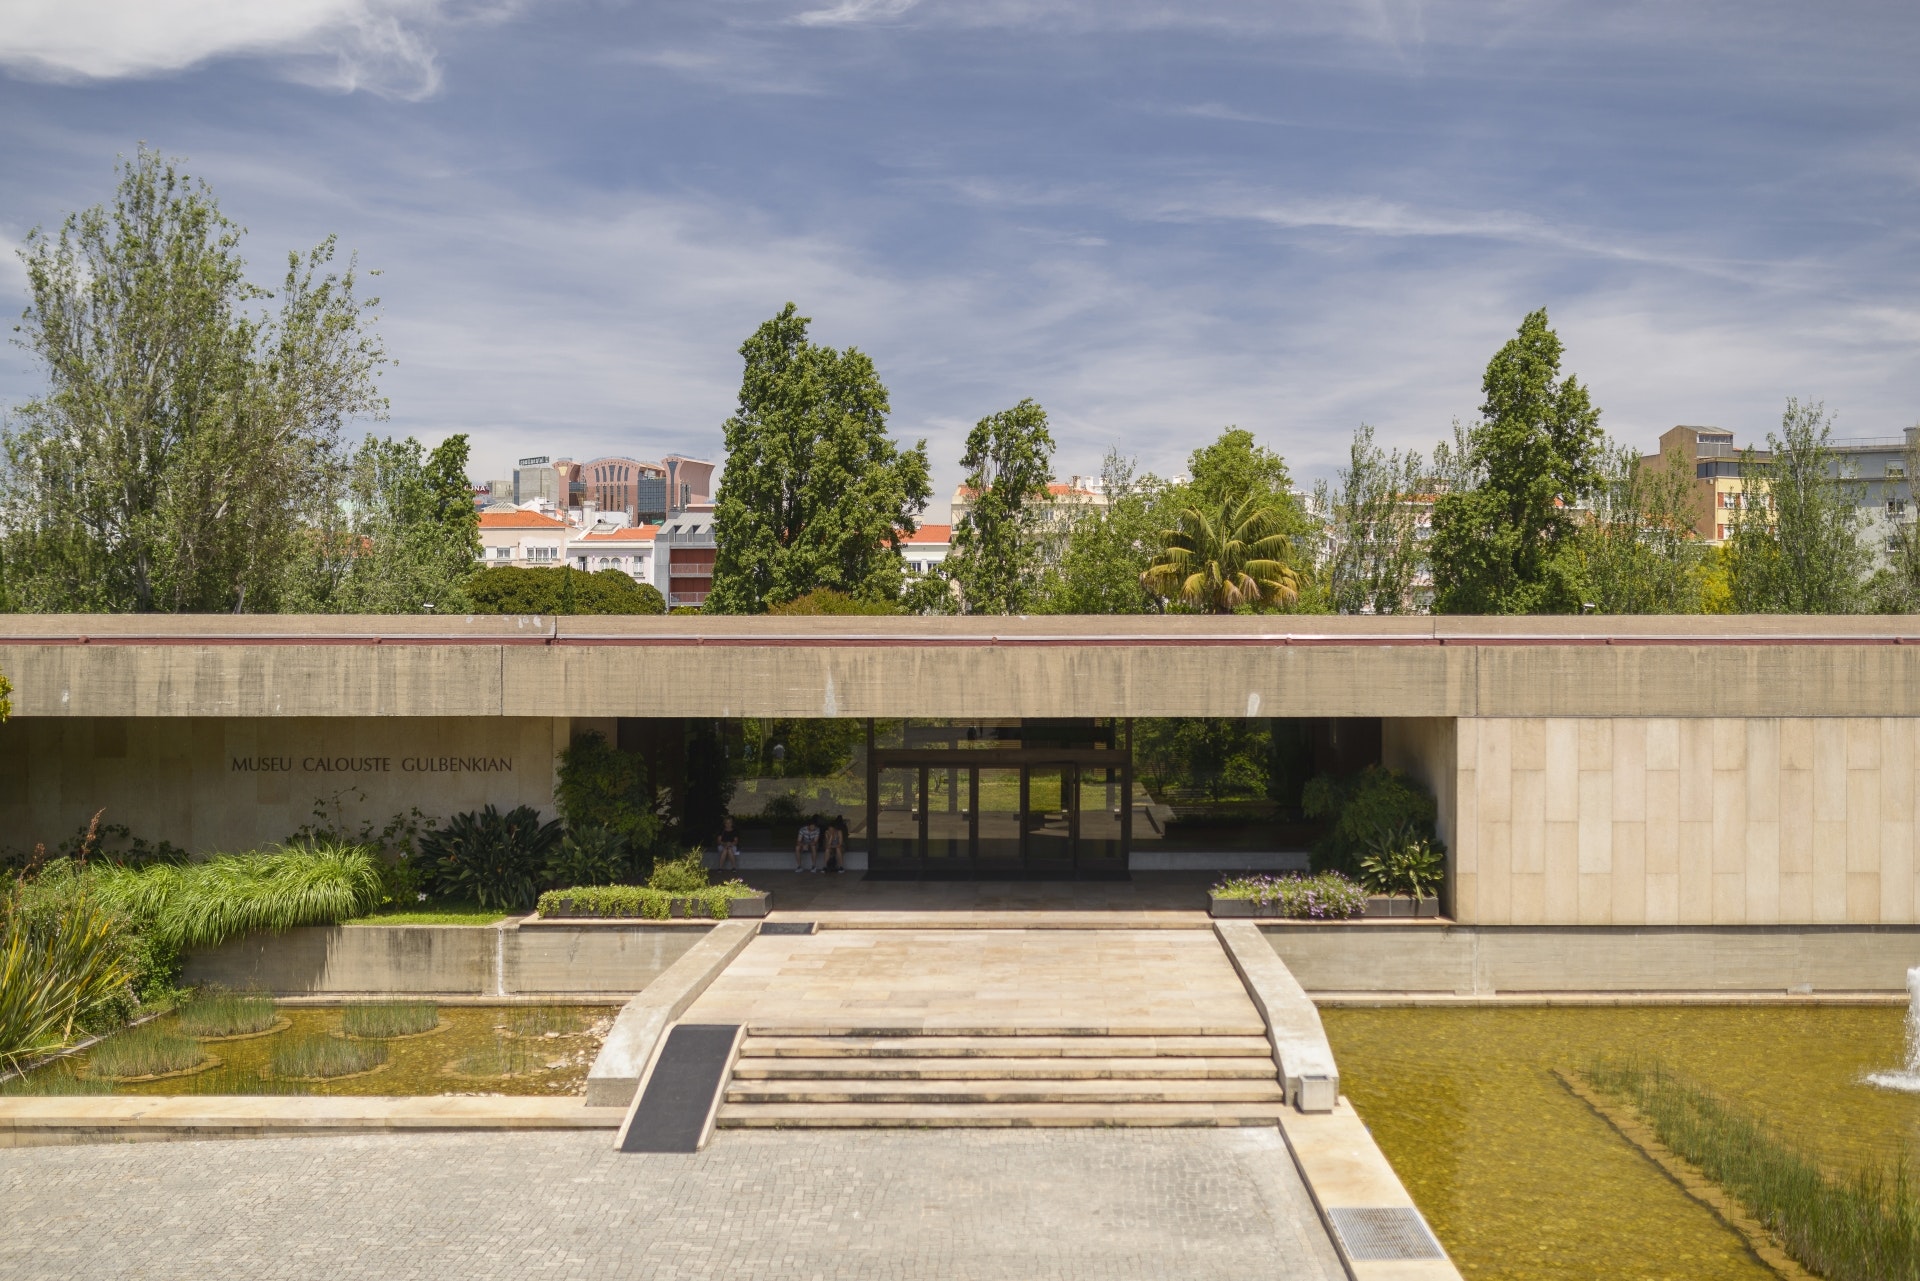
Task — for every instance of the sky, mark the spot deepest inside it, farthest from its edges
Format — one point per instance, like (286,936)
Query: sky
(1155,219)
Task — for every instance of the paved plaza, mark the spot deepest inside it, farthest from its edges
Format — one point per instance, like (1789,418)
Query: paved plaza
(1214,1204)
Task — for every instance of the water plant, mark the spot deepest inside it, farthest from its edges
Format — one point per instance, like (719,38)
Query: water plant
(1862,1227)
(376,1019)
(216,1014)
(54,1079)
(1327,896)
(319,1057)
(541,1021)
(147,1050)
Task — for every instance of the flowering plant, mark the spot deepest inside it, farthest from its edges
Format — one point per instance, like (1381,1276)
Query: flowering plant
(1326,897)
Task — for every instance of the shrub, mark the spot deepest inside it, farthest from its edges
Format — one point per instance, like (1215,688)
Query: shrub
(602,786)
(514,589)
(227,1014)
(373,1020)
(641,900)
(148,1050)
(1359,808)
(1400,861)
(1328,896)
(683,875)
(492,858)
(61,964)
(588,856)
(325,1056)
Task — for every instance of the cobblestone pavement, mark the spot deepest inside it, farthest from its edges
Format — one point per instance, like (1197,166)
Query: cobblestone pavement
(1098,1205)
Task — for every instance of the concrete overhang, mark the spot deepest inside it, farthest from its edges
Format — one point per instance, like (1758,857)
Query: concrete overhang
(1277,665)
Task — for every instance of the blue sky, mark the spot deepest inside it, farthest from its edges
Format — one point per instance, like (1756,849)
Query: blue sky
(1155,219)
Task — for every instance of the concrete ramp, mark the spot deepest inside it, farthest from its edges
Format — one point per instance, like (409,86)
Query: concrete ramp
(674,1109)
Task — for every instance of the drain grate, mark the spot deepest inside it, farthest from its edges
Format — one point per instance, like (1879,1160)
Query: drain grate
(1397,1232)
(786,927)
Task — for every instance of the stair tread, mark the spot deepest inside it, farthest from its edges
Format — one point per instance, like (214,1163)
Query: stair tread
(1043,1068)
(995,1091)
(1048,1046)
(1250,1028)
(938,1115)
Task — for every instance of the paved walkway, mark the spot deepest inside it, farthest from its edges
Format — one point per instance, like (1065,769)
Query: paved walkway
(1101,982)
(1213,1204)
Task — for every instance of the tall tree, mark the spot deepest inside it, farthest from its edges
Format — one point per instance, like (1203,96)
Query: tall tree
(1236,467)
(815,494)
(1375,543)
(1896,587)
(996,556)
(405,537)
(185,443)
(1232,557)
(1638,551)
(1795,544)
(1109,548)
(1502,547)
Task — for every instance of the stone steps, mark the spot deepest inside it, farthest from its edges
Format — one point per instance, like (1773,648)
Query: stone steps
(1042,1078)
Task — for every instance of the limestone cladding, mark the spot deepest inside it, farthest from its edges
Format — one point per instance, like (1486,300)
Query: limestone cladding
(1674,821)
(208,783)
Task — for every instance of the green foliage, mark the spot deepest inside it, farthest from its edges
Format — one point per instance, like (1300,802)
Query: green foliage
(826,601)
(1358,809)
(318,1056)
(1401,861)
(494,859)
(1502,539)
(602,787)
(1234,556)
(180,907)
(147,1050)
(588,856)
(372,1020)
(810,747)
(1326,896)
(1234,469)
(216,1014)
(518,589)
(683,875)
(6,689)
(1214,758)
(1865,1227)
(404,539)
(1797,550)
(184,447)
(1107,550)
(996,556)
(1375,545)
(61,960)
(1639,554)
(815,494)
(644,901)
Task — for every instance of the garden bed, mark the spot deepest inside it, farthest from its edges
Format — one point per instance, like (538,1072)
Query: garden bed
(638,902)
(1376,907)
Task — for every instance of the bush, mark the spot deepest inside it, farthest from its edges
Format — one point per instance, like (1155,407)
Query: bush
(683,875)
(588,856)
(825,600)
(513,589)
(1401,861)
(1359,808)
(641,900)
(373,1020)
(602,786)
(1328,896)
(494,859)
(217,1014)
(149,1050)
(61,965)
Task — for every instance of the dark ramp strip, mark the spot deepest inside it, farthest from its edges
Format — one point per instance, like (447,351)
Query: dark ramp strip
(674,1113)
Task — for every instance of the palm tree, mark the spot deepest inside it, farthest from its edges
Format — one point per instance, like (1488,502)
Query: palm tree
(1218,562)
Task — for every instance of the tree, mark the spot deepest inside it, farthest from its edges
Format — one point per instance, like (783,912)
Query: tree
(1639,553)
(406,535)
(1502,546)
(1230,558)
(1375,544)
(996,557)
(184,445)
(1896,588)
(1795,544)
(515,589)
(815,494)
(1109,548)
(1235,467)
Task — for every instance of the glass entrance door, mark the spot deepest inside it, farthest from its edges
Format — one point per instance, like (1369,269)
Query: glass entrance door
(1048,820)
(997,822)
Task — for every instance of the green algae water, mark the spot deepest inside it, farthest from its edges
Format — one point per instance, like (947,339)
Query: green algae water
(1521,1180)
(524,1050)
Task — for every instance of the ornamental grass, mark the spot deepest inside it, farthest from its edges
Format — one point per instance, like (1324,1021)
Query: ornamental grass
(196,905)
(56,969)
(147,1050)
(1862,1227)
(217,1014)
(320,1057)
(376,1019)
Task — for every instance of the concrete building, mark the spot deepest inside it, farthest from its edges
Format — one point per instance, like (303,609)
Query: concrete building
(629,549)
(683,556)
(639,489)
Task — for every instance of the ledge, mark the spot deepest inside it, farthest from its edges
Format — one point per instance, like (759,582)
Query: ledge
(642,1022)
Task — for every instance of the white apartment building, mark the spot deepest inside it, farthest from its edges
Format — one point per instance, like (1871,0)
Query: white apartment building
(510,536)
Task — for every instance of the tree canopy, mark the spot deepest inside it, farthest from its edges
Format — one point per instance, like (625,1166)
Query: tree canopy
(996,556)
(815,493)
(515,589)
(1226,558)
(1795,545)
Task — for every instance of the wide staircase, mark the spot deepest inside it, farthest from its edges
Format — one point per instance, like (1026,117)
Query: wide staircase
(906,1078)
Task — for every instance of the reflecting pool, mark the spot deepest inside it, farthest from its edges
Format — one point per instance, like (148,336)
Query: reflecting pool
(1521,1180)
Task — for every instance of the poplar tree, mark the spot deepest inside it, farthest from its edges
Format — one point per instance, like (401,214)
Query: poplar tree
(1795,546)
(996,558)
(1505,545)
(815,494)
(1375,547)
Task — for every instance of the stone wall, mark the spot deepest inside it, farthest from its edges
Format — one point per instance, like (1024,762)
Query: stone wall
(210,784)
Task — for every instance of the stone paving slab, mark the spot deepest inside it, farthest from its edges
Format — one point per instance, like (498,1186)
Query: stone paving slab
(984,982)
(1219,1205)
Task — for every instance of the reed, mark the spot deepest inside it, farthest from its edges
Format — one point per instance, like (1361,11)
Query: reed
(147,1050)
(321,1057)
(549,1020)
(502,1056)
(376,1019)
(54,1079)
(1863,1227)
(218,1014)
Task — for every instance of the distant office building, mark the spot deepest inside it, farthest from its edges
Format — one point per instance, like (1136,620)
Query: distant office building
(536,478)
(627,485)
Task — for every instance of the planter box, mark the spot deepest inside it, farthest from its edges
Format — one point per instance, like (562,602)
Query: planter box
(753,905)
(1395,905)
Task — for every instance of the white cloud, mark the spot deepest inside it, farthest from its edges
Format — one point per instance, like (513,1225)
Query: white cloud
(849,12)
(375,45)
